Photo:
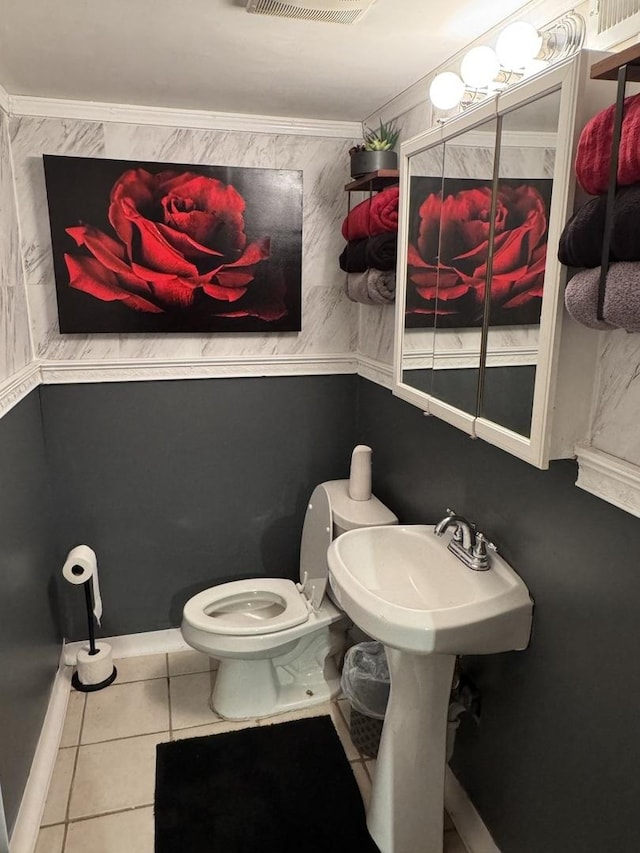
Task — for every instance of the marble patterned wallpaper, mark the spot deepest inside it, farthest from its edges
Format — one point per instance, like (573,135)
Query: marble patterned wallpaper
(614,427)
(329,320)
(376,323)
(15,345)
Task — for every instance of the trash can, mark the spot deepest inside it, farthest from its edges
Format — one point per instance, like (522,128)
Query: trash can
(365,683)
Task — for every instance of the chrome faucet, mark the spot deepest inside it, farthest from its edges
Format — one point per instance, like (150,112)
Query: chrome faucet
(464,532)
(467,543)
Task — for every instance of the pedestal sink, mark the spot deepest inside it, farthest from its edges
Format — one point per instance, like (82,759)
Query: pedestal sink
(404,588)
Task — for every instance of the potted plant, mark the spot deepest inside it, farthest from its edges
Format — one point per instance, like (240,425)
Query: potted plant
(376,152)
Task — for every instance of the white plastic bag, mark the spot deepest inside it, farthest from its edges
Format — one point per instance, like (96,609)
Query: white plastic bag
(365,679)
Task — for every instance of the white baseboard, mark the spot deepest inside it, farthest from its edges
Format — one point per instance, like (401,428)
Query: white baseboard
(468,823)
(25,832)
(134,645)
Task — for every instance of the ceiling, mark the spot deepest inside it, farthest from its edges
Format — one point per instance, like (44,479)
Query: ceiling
(212,55)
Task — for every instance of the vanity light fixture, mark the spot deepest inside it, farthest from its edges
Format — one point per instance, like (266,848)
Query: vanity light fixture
(521,51)
(479,67)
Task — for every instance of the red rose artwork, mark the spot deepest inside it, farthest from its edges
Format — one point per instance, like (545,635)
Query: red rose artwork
(448,251)
(154,247)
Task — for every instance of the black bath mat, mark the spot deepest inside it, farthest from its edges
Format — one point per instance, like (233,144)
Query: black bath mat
(284,788)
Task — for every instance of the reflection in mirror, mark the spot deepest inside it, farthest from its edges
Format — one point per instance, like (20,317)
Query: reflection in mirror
(449,224)
(525,180)
(425,185)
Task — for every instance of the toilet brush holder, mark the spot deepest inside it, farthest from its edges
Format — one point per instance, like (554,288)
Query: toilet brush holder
(95,669)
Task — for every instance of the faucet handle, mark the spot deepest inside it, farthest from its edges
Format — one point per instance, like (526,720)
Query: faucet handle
(481,545)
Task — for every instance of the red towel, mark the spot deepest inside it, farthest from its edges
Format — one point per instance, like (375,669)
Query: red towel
(373,216)
(594,149)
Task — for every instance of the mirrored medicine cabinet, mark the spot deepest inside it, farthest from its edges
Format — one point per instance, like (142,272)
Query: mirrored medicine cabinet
(482,338)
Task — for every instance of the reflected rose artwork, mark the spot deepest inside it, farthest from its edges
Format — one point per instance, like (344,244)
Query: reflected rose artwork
(158,247)
(448,250)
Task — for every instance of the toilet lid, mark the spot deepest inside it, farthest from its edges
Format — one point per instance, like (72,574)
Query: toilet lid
(317,533)
(247,607)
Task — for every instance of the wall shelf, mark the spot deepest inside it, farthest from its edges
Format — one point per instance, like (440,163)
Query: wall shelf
(374,181)
(607,69)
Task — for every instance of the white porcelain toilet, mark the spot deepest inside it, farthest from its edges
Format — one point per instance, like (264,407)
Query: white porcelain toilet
(279,642)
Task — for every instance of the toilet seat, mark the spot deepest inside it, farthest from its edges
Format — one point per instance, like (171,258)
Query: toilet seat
(248,607)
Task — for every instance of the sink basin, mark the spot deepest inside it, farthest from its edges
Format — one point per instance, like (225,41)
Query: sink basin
(403,587)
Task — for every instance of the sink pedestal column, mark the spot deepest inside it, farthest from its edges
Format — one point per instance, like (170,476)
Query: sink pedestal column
(406,814)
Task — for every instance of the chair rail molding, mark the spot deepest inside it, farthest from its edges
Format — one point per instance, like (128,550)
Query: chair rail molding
(149,369)
(5,99)
(607,477)
(18,386)
(376,371)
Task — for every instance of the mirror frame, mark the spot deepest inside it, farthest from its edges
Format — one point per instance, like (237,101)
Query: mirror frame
(567,77)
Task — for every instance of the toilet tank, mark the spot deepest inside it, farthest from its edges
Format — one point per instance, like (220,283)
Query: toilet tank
(348,514)
(331,512)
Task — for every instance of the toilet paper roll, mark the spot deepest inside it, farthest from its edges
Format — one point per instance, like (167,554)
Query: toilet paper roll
(81,566)
(94,669)
(360,475)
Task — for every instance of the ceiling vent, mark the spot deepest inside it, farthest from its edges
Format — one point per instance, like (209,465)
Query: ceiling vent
(612,22)
(328,11)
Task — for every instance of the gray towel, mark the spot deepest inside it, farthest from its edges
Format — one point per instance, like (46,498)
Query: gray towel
(372,287)
(622,296)
(621,301)
(581,299)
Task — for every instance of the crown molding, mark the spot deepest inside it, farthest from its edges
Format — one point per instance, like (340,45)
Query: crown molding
(28,105)
(5,99)
(18,386)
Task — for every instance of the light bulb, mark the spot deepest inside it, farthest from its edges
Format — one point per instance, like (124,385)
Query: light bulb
(518,44)
(479,67)
(446,91)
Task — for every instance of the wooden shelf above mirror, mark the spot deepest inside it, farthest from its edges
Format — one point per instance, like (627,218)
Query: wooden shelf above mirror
(607,69)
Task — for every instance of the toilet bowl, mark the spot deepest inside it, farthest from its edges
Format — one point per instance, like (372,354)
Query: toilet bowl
(278,642)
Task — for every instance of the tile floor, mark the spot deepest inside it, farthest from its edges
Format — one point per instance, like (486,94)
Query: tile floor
(101,794)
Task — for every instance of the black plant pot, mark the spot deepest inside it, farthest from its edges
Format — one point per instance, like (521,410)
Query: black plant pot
(363,162)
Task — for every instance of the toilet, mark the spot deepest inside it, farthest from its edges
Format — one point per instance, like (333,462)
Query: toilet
(278,642)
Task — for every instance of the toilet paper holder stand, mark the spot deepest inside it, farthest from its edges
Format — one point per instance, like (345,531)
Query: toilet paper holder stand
(93,649)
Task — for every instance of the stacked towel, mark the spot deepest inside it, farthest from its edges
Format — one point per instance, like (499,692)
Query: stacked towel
(372,287)
(581,241)
(594,149)
(374,252)
(621,302)
(373,216)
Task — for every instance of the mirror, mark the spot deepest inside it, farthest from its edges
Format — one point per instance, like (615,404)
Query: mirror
(450,200)
(426,172)
(482,339)
(465,220)
(478,210)
(526,155)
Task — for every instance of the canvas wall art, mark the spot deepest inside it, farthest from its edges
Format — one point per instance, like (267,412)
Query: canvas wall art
(160,247)
(448,248)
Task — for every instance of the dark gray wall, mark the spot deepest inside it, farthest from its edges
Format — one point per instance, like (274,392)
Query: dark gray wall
(181,485)
(29,641)
(554,765)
